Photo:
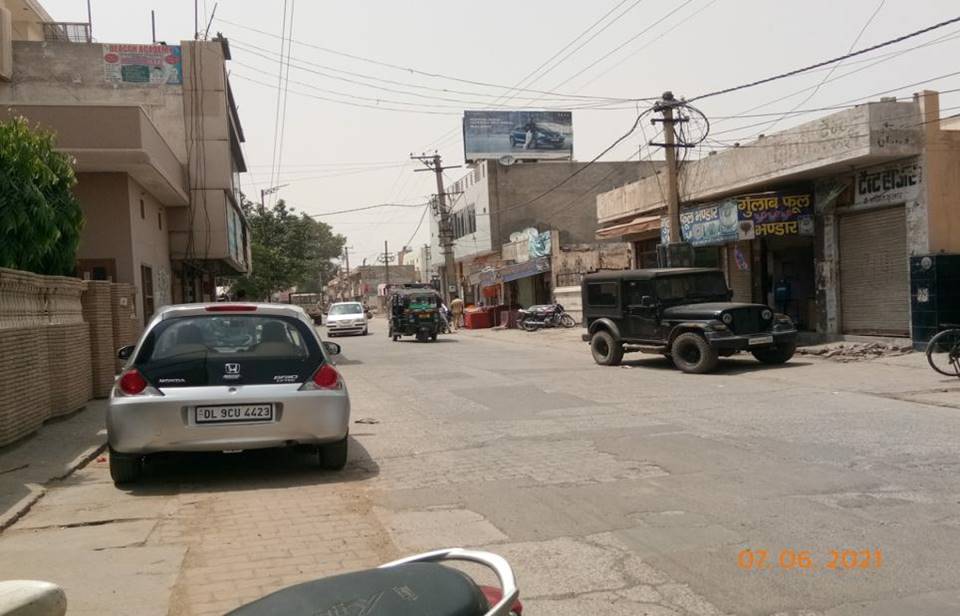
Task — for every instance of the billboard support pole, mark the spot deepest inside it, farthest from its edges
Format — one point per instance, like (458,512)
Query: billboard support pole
(448,273)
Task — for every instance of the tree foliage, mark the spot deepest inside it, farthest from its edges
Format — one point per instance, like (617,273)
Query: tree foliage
(289,249)
(40,218)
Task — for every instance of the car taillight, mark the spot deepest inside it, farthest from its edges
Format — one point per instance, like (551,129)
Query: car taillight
(231,308)
(326,377)
(132,383)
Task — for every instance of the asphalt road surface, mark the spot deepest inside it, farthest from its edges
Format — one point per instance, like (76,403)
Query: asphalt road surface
(811,489)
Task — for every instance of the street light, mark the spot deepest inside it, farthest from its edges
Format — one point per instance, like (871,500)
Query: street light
(269,191)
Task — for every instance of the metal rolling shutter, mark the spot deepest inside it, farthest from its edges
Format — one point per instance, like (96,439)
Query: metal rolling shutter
(874,280)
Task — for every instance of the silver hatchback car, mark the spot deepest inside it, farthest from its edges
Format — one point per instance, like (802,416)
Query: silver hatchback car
(226,377)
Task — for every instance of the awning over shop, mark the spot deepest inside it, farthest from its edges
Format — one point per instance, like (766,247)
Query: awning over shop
(643,224)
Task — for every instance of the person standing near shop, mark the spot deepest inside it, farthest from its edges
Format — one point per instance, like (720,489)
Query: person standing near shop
(456,308)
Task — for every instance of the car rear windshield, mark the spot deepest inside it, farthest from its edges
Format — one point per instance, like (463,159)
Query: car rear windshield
(691,286)
(346,309)
(228,350)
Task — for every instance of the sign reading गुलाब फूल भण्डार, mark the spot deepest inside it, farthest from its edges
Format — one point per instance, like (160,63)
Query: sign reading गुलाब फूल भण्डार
(745,217)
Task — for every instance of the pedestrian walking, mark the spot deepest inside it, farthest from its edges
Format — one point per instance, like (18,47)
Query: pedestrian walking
(456,307)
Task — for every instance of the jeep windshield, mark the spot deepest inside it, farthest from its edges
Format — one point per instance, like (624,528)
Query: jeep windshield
(707,287)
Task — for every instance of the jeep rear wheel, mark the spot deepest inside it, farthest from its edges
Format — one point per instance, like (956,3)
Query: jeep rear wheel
(606,351)
(692,353)
(775,355)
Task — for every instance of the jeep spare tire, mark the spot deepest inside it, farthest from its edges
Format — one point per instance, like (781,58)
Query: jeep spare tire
(775,355)
(606,351)
(692,353)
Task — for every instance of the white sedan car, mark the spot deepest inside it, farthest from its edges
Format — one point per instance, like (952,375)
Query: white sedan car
(346,318)
(221,377)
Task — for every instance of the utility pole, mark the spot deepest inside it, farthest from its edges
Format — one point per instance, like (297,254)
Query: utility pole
(269,191)
(448,273)
(677,253)
(386,263)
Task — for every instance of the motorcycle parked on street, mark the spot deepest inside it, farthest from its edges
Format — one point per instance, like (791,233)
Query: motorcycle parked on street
(545,315)
(414,586)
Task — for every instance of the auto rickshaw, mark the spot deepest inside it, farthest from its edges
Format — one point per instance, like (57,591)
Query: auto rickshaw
(415,312)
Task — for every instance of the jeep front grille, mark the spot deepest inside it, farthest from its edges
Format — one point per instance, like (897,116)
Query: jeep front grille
(748,321)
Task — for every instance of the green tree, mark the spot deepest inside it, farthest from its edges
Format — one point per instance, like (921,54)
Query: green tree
(289,249)
(40,218)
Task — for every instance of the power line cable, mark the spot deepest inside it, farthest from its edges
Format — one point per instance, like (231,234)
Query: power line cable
(853,54)
(581,45)
(367,207)
(622,45)
(647,44)
(419,224)
(410,70)
(832,68)
(286,88)
(276,120)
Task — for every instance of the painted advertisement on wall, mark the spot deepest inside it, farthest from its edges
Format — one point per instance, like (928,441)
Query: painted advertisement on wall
(143,64)
(744,218)
(897,183)
(527,135)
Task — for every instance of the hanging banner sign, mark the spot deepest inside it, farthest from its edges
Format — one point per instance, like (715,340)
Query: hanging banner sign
(143,64)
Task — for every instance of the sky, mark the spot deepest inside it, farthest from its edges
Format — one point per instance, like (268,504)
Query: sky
(336,155)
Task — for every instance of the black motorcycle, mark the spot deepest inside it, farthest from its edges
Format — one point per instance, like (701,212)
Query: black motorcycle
(545,315)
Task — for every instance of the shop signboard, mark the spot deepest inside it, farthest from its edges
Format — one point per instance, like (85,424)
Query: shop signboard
(511,135)
(888,184)
(143,64)
(744,217)
(522,270)
(774,214)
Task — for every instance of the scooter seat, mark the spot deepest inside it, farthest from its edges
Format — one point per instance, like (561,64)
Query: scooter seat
(414,589)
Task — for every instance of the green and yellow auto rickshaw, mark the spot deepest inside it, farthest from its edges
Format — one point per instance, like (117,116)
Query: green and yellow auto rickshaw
(415,312)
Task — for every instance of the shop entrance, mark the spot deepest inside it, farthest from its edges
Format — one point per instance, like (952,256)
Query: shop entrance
(789,279)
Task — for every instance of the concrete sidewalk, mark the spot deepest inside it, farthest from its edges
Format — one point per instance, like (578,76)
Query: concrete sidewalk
(53,452)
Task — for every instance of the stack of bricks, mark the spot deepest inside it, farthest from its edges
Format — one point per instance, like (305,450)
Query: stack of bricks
(44,351)
(98,313)
(126,325)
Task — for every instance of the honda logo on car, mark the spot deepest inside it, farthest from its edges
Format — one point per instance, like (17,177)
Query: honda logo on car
(231,371)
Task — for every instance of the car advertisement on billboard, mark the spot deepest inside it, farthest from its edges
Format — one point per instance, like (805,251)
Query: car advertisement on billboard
(522,135)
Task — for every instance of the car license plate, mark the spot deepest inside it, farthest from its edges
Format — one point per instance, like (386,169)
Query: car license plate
(761,340)
(234,413)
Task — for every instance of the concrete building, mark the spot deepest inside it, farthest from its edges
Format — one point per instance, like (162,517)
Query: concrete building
(156,138)
(497,208)
(820,220)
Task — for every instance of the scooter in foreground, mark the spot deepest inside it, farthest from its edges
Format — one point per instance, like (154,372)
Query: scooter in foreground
(414,586)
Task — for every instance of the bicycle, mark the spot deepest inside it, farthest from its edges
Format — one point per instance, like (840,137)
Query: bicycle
(943,351)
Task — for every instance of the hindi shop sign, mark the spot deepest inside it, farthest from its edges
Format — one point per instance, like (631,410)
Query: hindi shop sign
(745,218)
(888,184)
(143,64)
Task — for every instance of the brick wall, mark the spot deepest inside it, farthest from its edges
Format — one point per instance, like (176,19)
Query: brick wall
(45,367)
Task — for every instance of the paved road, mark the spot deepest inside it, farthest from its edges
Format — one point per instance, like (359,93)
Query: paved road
(611,490)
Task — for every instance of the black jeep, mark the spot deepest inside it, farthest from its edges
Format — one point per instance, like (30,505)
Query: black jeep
(683,313)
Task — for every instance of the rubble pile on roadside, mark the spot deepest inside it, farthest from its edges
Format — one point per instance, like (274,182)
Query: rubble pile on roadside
(857,351)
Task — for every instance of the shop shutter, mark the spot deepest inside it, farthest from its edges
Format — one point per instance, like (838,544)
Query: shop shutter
(874,281)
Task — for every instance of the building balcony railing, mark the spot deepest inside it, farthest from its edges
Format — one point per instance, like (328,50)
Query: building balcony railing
(67,31)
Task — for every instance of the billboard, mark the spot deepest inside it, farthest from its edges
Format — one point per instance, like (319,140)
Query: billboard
(538,135)
(148,64)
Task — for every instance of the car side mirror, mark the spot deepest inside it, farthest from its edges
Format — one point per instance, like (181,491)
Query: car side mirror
(125,352)
(646,301)
(729,295)
(331,347)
